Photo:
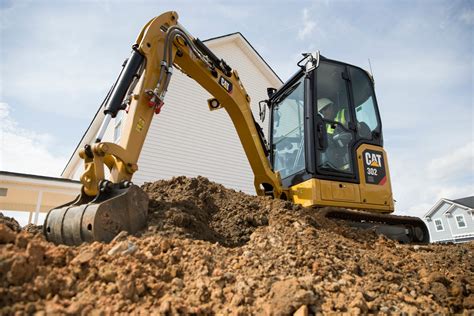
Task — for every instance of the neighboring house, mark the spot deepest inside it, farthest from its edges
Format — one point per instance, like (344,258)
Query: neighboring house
(188,139)
(34,194)
(451,220)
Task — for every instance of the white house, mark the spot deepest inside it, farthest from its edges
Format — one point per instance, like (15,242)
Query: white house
(451,220)
(186,138)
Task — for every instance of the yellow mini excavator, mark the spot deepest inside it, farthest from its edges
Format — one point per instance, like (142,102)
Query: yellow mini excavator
(324,147)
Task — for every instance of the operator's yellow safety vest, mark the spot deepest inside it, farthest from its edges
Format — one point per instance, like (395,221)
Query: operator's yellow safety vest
(340,117)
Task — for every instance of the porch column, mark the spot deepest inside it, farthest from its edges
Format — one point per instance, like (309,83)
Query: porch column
(38,206)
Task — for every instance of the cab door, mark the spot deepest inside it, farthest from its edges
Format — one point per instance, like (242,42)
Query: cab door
(287,132)
(335,135)
(334,123)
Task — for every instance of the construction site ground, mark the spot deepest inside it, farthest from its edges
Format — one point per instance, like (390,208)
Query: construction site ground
(212,250)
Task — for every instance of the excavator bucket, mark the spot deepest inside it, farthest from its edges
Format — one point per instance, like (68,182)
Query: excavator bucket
(101,218)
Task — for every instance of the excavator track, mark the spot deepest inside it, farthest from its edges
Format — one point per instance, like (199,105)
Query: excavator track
(405,229)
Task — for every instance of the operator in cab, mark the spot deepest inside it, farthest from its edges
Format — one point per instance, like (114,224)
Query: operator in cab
(327,109)
(336,155)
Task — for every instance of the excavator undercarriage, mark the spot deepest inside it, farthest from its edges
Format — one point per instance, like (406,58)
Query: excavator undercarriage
(405,229)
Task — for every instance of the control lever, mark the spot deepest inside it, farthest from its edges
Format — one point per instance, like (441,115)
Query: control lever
(321,135)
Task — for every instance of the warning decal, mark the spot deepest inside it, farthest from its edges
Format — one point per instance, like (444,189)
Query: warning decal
(140,125)
(374,167)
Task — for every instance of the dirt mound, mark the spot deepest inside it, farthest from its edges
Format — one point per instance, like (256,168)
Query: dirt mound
(200,209)
(213,250)
(10,223)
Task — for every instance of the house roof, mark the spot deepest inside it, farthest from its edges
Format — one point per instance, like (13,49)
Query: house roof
(34,176)
(245,39)
(94,124)
(467,201)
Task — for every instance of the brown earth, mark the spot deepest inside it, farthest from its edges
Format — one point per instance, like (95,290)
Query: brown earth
(10,223)
(211,250)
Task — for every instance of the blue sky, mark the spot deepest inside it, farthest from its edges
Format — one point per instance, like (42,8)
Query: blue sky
(59,58)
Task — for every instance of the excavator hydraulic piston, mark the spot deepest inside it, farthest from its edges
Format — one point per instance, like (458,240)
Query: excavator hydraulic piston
(124,81)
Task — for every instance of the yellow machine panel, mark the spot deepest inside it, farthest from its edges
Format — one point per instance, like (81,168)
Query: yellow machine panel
(375,185)
(374,191)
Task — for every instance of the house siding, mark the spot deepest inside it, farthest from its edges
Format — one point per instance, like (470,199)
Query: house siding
(446,211)
(439,235)
(467,219)
(188,139)
(438,214)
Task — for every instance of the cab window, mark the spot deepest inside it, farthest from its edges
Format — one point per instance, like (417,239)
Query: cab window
(364,104)
(332,106)
(288,131)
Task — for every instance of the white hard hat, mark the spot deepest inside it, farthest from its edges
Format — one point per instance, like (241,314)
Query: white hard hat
(323,102)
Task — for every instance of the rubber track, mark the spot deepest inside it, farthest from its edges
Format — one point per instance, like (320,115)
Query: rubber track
(375,218)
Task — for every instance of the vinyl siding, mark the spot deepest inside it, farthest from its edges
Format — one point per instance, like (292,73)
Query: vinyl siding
(451,231)
(469,229)
(188,139)
(439,235)
(446,234)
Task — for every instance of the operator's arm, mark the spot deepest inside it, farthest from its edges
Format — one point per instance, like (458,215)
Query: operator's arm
(142,86)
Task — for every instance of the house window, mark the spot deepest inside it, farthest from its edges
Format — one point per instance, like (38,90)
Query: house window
(460,221)
(439,225)
(118,126)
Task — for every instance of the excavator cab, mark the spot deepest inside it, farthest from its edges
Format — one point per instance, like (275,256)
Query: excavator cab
(320,120)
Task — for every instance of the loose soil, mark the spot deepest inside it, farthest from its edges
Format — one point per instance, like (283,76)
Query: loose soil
(212,250)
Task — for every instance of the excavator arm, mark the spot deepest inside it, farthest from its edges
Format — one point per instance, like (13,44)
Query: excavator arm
(163,45)
(107,206)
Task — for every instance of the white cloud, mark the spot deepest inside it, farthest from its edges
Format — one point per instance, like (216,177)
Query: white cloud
(467,17)
(308,26)
(456,163)
(422,203)
(25,151)
(66,77)
(420,181)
